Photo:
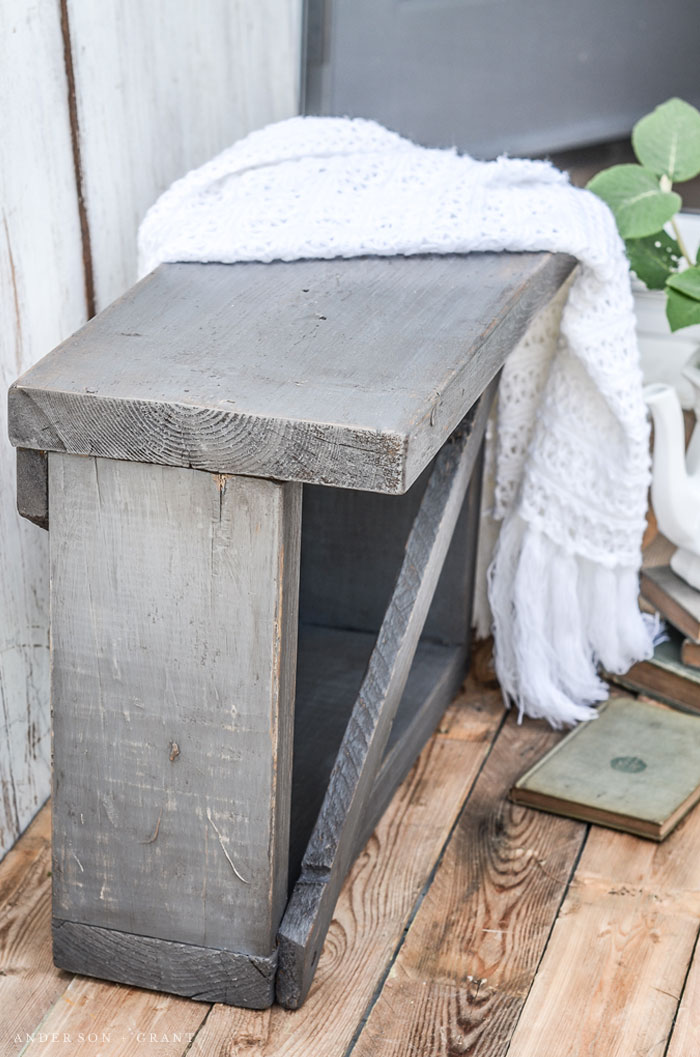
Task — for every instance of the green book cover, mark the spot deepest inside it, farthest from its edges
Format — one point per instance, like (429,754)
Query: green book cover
(636,768)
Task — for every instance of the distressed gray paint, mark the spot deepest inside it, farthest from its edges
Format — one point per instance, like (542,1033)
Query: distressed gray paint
(341,372)
(201,973)
(413,725)
(174,628)
(33,486)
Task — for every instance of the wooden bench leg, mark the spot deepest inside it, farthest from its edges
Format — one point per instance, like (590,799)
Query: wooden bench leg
(174,596)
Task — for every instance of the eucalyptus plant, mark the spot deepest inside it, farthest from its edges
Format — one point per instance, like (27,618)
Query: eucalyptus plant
(666,144)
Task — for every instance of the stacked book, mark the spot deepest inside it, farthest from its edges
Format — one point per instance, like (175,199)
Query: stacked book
(673,673)
(637,768)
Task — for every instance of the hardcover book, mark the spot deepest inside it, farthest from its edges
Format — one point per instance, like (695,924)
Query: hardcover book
(635,768)
(690,653)
(664,676)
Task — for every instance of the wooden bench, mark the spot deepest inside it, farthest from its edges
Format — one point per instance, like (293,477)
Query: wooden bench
(241,679)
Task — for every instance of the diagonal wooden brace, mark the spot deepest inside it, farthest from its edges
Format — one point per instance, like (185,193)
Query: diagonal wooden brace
(334,841)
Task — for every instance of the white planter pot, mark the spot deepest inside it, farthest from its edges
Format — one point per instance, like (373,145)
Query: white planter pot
(664,354)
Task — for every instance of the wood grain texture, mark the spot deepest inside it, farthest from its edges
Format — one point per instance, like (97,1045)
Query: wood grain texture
(383,890)
(370,917)
(41,301)
(618,955)
(273,369)
(333,842)
(411,729)
(29,984)
(686,1028)
(160,90)
(174,615)
(91,1019)
(462,975)
(409,733)
(376,901)
(201,973)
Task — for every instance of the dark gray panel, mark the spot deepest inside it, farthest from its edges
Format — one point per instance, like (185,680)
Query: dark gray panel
(331,666)
(33,486)
(501,75)
(201,973)
(352,546)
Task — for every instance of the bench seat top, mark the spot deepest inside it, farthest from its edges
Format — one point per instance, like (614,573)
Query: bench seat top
(345,372)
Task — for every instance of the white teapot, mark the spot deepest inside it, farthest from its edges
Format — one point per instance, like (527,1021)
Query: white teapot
(675,488)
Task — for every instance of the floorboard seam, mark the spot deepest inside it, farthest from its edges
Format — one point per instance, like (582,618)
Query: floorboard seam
(190,1044)
(421,895)
(29,1035)
(567,886)
(680,997)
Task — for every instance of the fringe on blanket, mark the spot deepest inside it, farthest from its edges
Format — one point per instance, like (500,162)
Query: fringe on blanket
(555,617)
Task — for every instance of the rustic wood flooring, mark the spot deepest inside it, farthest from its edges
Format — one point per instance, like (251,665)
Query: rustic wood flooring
(468,926)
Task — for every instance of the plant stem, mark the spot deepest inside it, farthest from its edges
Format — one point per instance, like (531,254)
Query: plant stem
(681,244)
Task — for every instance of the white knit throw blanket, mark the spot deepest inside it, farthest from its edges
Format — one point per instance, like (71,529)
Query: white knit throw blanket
(572,463)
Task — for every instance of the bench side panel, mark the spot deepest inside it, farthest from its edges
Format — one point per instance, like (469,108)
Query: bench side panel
(174,625)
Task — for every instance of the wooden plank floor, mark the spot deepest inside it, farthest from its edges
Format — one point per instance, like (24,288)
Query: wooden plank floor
(469,927)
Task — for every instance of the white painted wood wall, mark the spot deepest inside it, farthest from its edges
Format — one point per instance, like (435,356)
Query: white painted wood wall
(102,105)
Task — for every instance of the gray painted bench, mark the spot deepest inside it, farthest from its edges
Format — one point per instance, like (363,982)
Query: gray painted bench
(239,679)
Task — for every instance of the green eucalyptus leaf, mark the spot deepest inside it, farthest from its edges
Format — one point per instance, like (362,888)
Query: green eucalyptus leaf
(653,258)
(638,204)
(681,311)
(687,282)
(667,141)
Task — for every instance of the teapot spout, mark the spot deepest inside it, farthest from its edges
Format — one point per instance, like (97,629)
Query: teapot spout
(675,495)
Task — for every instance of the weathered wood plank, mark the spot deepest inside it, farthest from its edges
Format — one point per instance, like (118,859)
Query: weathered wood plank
(686,1027)
(174,603)
(411,730)
(409,733)
(462,975)
(29,984)
(91,1018)
(371,914)
(41,301)
(33,486)
(619,951)
(333,842)
(370,918)
(376,901)
(273,369)
(157,95)
(205,974)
